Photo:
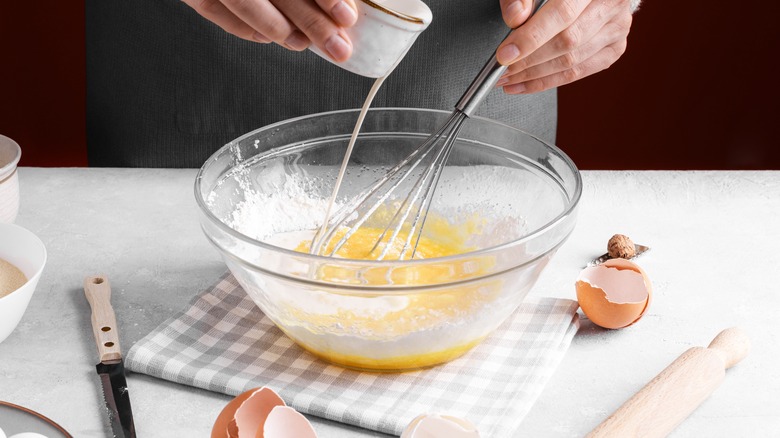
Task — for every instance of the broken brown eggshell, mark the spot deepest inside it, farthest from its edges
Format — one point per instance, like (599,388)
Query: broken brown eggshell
(260,413)
(436,425)
(614,294)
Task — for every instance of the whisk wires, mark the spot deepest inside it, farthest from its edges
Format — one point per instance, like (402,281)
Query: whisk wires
(409,216)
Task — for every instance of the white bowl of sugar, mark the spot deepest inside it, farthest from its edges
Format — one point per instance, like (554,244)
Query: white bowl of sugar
(22,258)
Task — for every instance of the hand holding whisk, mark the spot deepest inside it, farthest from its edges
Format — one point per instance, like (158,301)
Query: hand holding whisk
(396,206)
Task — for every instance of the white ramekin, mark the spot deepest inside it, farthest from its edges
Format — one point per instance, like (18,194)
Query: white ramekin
(10,152)
(384,31)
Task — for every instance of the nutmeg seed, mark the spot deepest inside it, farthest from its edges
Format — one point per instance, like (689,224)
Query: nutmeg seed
(620,246)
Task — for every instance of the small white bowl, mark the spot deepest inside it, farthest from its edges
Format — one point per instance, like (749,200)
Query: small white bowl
(383,32)
(10,153)
(26,251)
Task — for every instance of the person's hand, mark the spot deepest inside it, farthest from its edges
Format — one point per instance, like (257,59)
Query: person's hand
(566,40)
(293,24)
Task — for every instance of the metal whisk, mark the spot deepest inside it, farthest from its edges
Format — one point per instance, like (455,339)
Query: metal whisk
(425,163)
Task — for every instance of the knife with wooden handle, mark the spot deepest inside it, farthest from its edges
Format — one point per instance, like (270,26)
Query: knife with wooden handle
(678,390)
(111,367)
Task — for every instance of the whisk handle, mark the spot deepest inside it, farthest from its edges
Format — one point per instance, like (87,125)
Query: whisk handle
(480,87)
(486,80)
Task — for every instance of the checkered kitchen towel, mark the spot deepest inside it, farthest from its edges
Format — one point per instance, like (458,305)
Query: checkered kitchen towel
(223,342)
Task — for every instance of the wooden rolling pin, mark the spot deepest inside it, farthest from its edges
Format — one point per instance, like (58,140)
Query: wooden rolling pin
(678,390)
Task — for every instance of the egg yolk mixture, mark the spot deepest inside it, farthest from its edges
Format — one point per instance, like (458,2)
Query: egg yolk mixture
(424,311)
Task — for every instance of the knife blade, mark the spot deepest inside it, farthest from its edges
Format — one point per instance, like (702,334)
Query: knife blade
(110,369)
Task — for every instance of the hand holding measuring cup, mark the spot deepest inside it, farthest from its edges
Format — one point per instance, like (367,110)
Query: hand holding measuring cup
(293,24)
(366,37)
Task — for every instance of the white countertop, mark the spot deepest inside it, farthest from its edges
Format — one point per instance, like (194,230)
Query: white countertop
(714,263)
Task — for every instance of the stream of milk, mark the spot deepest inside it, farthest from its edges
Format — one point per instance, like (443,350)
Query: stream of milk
(317,240)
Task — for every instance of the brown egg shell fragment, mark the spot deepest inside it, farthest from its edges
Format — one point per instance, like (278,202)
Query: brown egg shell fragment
(435,425)
(255,402)
(220,429)
(601,311)
(286,422)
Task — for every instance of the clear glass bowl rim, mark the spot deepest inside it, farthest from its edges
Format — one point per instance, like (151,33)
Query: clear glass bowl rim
(571,206)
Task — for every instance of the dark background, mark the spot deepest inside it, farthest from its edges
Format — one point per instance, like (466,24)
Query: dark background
(697,89)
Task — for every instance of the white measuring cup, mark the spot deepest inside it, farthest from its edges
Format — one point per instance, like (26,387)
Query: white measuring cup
(382,34)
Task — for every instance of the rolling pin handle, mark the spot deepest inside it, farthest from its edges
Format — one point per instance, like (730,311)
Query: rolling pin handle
(732,345)
(676,391)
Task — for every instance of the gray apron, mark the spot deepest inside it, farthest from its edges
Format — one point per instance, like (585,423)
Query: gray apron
(167,88)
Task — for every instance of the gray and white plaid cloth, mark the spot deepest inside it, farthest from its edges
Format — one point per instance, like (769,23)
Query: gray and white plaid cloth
(222,342)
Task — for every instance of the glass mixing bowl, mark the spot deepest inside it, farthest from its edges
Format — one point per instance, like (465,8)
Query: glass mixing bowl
(508,196)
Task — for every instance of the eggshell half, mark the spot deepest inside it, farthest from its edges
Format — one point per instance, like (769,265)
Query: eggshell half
(253,413)
(220,429)
(245,413)
(439,426)
(614,294)
(286,422)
